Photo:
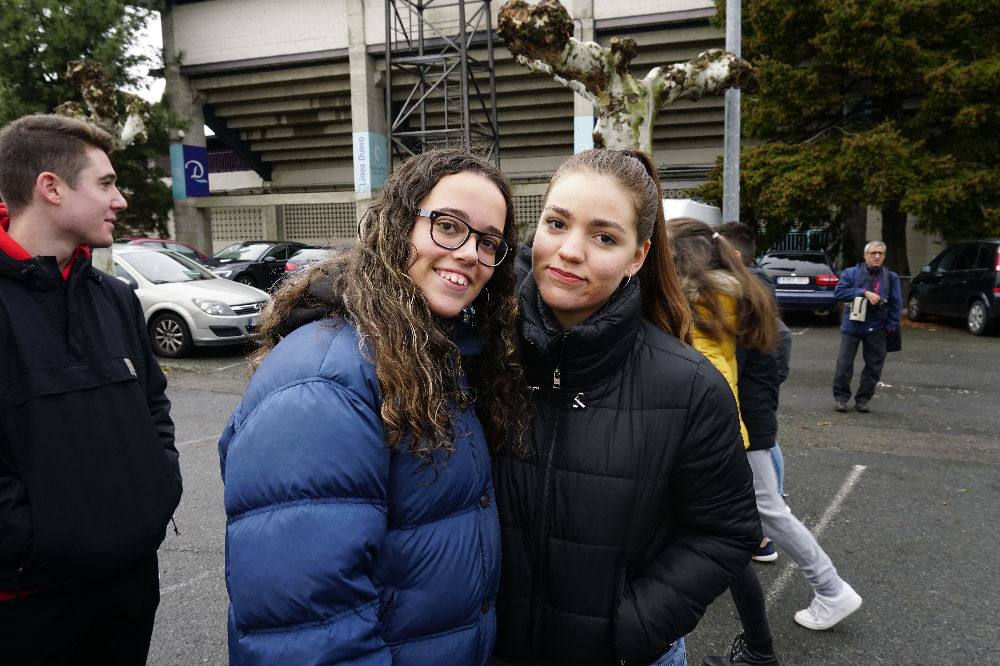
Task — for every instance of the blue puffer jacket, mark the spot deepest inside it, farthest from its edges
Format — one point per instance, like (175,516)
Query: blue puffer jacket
(339,551)
(855,281)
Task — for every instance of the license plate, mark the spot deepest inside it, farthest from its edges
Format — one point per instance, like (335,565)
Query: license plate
(793,280)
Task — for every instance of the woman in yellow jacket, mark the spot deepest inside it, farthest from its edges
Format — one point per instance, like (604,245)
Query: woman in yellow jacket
(730,306)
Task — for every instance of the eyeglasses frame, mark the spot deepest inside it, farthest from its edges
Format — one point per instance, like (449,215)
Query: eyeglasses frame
(433,215)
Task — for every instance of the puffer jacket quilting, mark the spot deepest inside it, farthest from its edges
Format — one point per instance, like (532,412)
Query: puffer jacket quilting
(338,550)
(633,507)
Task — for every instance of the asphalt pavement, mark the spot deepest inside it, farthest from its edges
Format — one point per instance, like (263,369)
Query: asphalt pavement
(904,499)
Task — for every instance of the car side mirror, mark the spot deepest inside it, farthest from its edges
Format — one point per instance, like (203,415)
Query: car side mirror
(925,269)
(270,259)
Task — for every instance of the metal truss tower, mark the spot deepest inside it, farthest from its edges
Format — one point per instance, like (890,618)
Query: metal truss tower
(437,93)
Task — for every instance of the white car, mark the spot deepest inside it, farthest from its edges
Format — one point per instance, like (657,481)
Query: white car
(184,304)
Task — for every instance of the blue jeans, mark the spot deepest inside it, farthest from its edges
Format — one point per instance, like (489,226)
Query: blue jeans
(778,458)
(675,656)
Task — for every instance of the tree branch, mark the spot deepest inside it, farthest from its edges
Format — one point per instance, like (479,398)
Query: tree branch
(543,32)
(709,74)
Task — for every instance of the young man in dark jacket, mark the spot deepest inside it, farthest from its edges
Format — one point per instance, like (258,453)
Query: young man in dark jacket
(877,289)
(89,473)
(760,377)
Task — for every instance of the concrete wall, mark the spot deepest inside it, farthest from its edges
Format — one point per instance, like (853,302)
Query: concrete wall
(226,30)
(608,9)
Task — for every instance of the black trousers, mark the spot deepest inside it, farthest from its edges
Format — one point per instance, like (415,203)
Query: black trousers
(108,621)
(748,597)
(873,352)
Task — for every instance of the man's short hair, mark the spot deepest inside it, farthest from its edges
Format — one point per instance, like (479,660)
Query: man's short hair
(33,144)
(871,245)
(741,237)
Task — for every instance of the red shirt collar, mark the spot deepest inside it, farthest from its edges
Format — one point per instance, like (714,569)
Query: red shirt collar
(14,250)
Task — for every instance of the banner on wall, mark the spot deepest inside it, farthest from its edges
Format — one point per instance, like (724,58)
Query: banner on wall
(371,155)
(189,171)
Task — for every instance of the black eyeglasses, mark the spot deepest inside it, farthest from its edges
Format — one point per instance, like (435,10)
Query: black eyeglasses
(451,232)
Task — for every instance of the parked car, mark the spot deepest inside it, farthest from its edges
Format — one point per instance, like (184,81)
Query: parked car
(180,248)
(962,282)
(255,263)
(306,257)
(804,280)
(184,304)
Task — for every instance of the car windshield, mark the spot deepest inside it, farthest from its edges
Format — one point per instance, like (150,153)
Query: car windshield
(165,267)
(809,264)
(241,252)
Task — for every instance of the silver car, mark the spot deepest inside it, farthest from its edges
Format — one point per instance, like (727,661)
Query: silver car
(184,304)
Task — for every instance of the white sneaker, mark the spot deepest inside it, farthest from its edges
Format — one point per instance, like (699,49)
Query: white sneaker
(824,612)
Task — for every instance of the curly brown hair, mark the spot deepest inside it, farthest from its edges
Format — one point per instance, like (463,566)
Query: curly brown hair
(710,268)
(416,360)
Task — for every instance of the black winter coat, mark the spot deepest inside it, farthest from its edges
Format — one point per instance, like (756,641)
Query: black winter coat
(89,474)
(634,506)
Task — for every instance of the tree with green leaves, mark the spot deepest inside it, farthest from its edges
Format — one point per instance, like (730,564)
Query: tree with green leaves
(75,57)
(891,104)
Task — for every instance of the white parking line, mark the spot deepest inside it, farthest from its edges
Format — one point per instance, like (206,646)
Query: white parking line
(194,579)
(800,332)
(231,365)
(778,586)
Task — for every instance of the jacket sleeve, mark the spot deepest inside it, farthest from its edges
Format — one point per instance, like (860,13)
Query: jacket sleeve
(847,287)
(156,393)
(718,530)
(306,495)
(895,301)
(783,352)
(758,393)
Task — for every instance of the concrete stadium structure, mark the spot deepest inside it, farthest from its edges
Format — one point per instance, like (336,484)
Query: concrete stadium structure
(295,93)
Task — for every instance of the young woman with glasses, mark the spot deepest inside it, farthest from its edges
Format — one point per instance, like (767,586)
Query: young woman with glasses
(362,525)
(632,507)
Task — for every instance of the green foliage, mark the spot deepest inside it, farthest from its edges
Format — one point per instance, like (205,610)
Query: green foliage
(39,38)
(885,103)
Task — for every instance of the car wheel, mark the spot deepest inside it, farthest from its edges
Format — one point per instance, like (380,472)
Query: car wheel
(977,321)
(913,310)
(169,336)
(247,280)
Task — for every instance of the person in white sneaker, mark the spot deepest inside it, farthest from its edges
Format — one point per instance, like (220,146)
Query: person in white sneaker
(760,376)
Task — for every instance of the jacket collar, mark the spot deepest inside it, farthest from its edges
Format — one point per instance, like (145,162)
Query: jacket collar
(11,249)
(584,354)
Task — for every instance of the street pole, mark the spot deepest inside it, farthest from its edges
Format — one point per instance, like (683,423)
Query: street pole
(731,156)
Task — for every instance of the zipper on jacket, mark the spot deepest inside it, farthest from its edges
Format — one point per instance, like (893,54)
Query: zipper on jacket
(541,526)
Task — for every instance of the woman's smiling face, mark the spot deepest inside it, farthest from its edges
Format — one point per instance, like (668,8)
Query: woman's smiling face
(585,245)
(451,279)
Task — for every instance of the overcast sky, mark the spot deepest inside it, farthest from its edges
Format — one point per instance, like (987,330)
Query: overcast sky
(150,43)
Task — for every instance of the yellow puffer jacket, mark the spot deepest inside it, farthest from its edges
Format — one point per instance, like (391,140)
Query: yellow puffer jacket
(722,353)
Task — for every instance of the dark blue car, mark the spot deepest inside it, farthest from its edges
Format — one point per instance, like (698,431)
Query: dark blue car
(803,281)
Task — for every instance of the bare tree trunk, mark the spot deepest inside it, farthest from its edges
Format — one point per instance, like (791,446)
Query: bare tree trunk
(855,227)
(894,237)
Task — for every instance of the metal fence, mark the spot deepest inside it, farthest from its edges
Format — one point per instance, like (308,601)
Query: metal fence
(813,239)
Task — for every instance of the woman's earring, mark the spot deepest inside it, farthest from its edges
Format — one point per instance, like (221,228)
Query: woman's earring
(486,290)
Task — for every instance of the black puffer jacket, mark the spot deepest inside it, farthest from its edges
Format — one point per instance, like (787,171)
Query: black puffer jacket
(634,506)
